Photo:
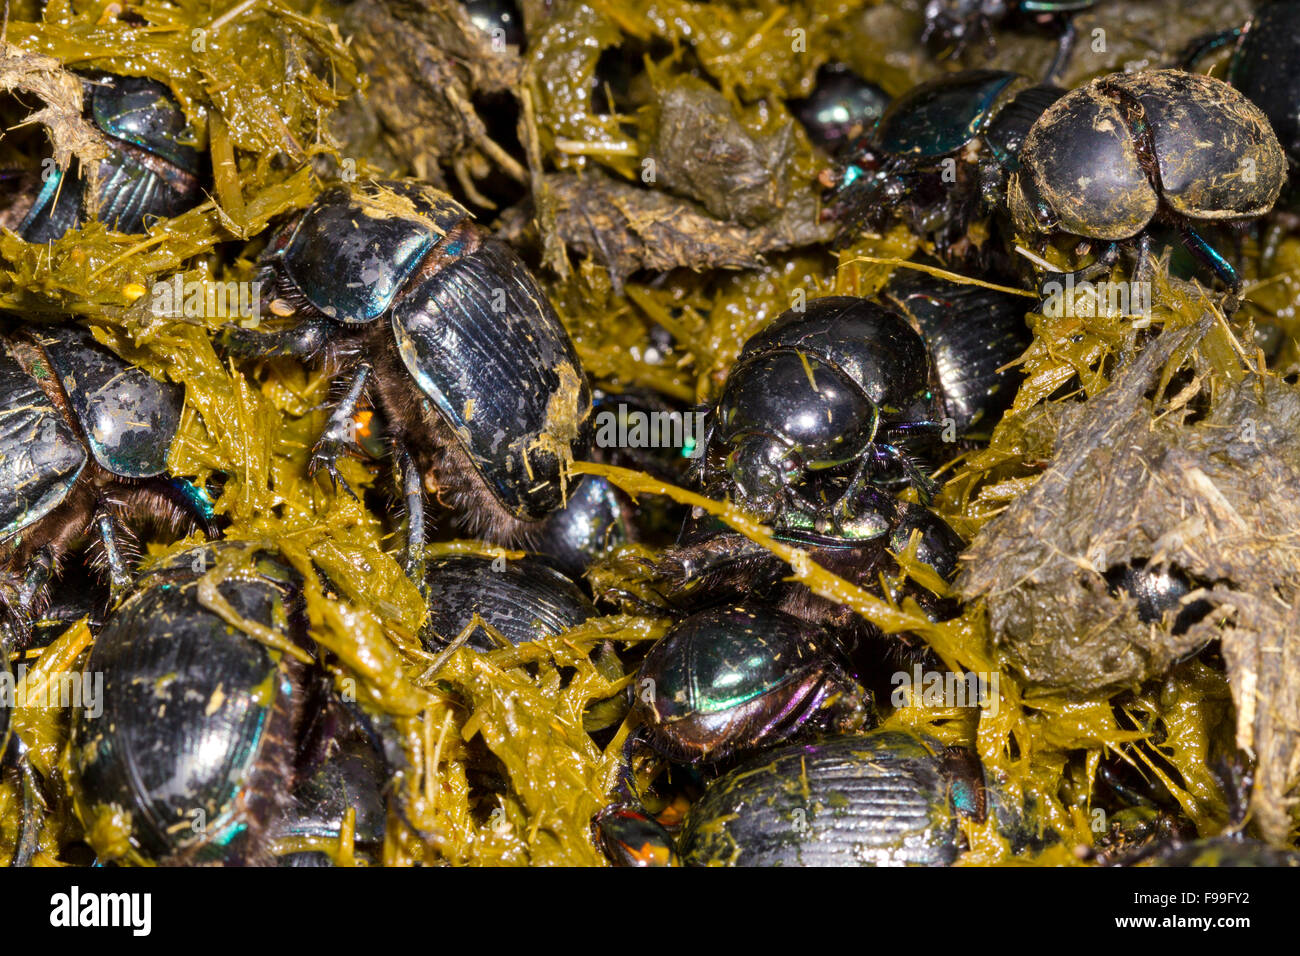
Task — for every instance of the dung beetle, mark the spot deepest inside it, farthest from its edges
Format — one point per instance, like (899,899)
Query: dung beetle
(955,23)
(1109,158)
(596,519)
(150,171)
(841,107)
(711,563)
(348,773)
(886,798)
(523,599)
(731,679)
(1266,68)
(190,756)
(1263,66)
(972,334)
(939,158)
(630,836)
(84,439)
(445,326)
(833,391)
(1158,591)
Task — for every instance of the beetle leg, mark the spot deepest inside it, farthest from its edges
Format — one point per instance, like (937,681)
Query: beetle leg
(304,340)
(339,436)
(1208,256)
(26,598)
(410,487)
(1064,47)
(33,809)
(843,506)
(885,455)
(119,575)
(1205,46)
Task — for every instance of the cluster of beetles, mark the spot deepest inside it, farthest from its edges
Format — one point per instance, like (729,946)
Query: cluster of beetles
(758,703)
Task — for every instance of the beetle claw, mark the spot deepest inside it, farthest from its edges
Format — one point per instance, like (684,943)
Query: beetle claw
(325,455)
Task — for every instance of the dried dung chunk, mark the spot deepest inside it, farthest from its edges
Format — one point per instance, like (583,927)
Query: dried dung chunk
(628,228)
(1214,499)
(702,152)
(1209,499)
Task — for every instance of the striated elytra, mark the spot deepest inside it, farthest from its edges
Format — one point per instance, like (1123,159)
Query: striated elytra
(150,171)
(887,798)
(449,331)
(186,761)
(522,599)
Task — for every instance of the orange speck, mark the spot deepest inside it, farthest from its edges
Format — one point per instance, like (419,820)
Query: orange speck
(362,418)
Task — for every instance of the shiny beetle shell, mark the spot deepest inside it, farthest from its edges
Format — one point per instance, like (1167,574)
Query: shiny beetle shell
(944,114)
(352,777)
(594,520)
(1101,160)
(149,172)
(631,837)
(732,678)
(490,360)
(40,456)
(872,346)
(840,108)
(128,417)
(523,599)
(887,798)
(189,757)
(972,335)
(1266,69)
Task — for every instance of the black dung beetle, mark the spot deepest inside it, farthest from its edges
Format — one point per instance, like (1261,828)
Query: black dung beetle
(1266,68)
(939,158)
(954,24)
(523,599)
(972,334)
(732,679)
(1158,591)
(596,519)
(149,173)
(887,798)
(1108,159)
(841,107)
(1263,66)
(84,439)
(350,774)
(836,390)
(631,837)
(475,375)
(190,757)
(711,563)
